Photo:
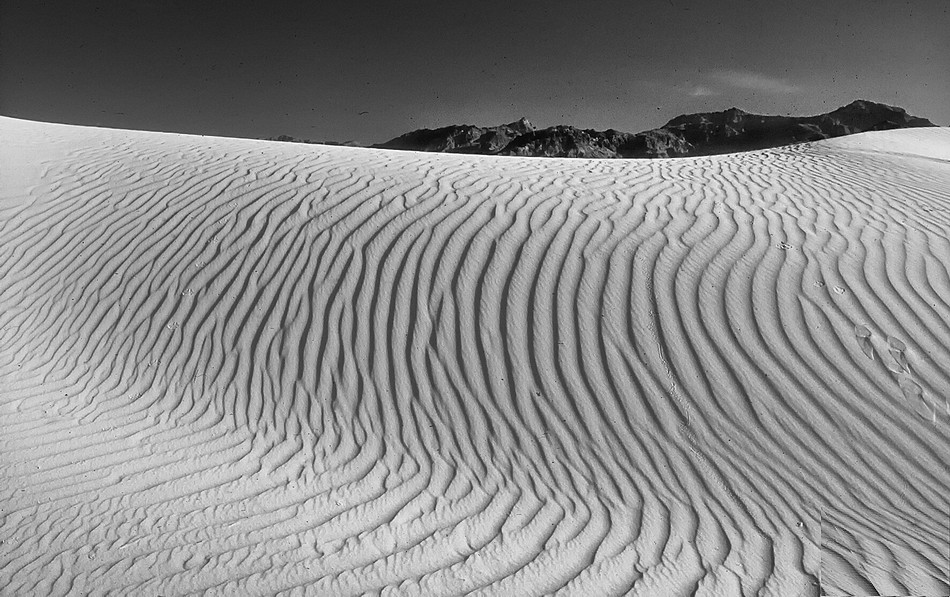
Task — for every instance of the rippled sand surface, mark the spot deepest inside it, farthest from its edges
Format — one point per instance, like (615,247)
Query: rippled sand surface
(243,367)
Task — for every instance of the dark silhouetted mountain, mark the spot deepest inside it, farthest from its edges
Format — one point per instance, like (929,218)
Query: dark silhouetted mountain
(463,138)
(735,130)
(707,133)
(565,141)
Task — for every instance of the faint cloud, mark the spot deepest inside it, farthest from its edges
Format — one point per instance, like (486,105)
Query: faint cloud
(702,91)
(744,79)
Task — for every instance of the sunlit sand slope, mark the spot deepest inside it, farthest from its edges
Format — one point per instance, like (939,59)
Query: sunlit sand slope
(242,367)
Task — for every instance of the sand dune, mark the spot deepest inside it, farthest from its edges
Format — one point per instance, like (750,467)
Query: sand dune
(246,367)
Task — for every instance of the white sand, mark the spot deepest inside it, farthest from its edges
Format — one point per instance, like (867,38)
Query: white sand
(245,367)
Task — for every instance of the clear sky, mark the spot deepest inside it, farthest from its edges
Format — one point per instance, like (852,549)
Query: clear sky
(367,71)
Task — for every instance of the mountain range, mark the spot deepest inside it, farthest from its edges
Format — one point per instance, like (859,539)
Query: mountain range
(705,133)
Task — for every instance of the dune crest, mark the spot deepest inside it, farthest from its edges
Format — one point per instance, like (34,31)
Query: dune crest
(247,367)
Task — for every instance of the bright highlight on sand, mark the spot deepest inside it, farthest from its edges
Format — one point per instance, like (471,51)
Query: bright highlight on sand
(233,367)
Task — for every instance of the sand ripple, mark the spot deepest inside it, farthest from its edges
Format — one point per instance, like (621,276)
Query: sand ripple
(242,367)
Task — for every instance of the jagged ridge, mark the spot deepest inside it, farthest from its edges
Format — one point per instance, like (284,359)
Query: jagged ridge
(708,133)
(465,138)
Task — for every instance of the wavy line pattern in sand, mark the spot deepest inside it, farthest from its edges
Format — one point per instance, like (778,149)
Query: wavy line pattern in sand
(246,367)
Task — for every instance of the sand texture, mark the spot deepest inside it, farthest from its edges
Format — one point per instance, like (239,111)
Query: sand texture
(234,367)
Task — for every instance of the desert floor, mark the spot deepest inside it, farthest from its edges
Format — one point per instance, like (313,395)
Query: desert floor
(236,367)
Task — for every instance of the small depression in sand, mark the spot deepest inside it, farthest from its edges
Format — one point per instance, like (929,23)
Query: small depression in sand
(233,367)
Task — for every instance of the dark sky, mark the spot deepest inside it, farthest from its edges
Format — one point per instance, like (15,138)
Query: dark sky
(367,71)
